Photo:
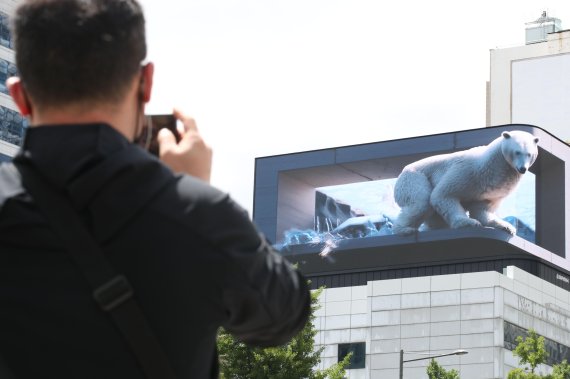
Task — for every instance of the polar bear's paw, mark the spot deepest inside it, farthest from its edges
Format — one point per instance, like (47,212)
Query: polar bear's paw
(503,225)
(402,230)
(465,222)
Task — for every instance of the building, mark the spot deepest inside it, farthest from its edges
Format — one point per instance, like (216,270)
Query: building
(436,291)
(480,312)
(530,84)
(12,124)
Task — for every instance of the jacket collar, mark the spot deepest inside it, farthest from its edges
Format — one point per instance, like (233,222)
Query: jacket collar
(107,178)
(63,152)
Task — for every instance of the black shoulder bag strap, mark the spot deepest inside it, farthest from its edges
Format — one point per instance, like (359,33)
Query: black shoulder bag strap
(111,291)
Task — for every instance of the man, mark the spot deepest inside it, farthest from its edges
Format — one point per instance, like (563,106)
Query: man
(193,257)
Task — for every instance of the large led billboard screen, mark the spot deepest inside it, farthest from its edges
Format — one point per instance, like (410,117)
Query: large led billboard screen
(326,203)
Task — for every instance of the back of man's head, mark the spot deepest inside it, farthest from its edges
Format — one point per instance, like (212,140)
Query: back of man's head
(78,51)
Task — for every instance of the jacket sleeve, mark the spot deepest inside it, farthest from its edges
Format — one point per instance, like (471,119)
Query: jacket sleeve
(266,300)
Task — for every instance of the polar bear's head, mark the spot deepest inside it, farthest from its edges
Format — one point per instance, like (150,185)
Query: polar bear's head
(520,149)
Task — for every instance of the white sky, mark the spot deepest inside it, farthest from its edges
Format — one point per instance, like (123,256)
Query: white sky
(266,77)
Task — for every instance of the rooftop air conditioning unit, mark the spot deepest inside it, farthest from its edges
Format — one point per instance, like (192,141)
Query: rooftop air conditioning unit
(537,30)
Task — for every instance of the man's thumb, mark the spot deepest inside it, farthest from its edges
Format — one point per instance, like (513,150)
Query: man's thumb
(166,140)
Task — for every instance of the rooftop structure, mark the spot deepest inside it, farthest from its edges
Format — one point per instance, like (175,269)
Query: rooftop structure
(538,30)
(529,84)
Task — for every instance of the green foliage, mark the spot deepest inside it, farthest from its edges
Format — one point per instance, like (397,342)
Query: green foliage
(519,373)
(436,371)
(336,371)
(531,350)
(294,360)
(561,371)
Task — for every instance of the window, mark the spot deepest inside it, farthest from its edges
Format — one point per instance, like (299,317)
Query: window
(556,351)
(12,126)
(358,350)
(5,35)
(7,69)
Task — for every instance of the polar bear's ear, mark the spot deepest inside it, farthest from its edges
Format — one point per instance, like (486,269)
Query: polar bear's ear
(506,135)
(536,140)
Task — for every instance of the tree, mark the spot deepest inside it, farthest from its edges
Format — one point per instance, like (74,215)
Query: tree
(294,360)
(436,371)
(531,350)
(561,371)
(519,373)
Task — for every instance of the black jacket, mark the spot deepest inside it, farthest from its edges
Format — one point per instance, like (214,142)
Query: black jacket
(194,258)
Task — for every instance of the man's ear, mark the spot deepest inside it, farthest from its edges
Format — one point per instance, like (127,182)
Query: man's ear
(19,95)
(146,81)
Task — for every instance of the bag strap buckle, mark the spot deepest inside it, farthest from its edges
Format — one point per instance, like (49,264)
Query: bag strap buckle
(113,293)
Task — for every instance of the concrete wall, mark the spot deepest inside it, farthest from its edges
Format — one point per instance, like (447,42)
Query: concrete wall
(8,6)
(510,93)
(540,93)
(7,149)
(439,314)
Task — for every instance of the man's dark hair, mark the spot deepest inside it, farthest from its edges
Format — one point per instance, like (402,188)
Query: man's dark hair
(71,51)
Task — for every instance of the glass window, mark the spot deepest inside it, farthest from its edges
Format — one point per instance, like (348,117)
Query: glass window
(12,126)
(5,35)
(358,350)
(7,69)
(557,352)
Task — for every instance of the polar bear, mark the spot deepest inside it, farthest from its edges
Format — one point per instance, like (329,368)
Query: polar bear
(463,188)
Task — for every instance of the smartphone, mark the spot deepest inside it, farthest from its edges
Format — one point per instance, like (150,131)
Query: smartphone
(151,125)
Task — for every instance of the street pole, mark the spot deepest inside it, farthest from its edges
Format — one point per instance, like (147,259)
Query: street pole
(401,364)
(402,361)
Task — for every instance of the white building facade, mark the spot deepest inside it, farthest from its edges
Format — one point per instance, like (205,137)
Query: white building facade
(12,124)
(530,85)
(480,312)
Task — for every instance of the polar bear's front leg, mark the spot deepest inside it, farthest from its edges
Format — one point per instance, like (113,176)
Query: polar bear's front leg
(484,213)
(451,210)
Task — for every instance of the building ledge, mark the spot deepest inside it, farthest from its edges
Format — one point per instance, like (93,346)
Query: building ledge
(423,248)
